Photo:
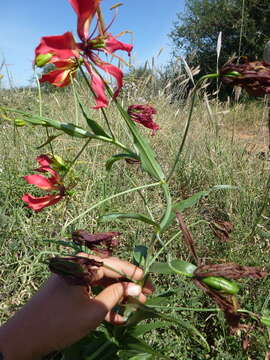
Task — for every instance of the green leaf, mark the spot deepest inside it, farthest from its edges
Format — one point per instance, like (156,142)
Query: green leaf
(117,157)
(147,155)
(142,329)
(140,255)
(182,267)
(133,355)
(265,320)
(191,201)
(134,343)
(161,268)
(135,216)
(94,126)
(144,312)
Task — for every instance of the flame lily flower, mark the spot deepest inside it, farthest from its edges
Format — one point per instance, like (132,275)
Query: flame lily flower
(101,243)
(143,114)
(44,183)
(61,76)
(254,76)
(64,48)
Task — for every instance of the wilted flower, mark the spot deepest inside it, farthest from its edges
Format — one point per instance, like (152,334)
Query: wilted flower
(52,183)
(143,114)
(101,243)
(254,76)
(76,270)
(65,53)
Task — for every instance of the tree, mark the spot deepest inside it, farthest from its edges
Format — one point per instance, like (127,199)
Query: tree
(244,25)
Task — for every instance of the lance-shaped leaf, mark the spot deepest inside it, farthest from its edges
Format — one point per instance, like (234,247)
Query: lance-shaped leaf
(144,312)
(117,157)
(182,267)
(142,329)
(147,154)
(140,255)
(194,199)
(94,126)
(161,268)
(135,216)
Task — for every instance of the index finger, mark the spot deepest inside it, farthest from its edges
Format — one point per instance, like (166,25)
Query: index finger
(123,269)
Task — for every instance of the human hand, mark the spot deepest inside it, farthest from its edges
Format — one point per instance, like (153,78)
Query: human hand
(61,314)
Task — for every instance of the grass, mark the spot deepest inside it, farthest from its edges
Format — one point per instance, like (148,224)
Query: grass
(217,152)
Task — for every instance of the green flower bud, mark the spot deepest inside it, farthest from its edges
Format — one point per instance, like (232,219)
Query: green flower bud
(19,122)
(59,163)
(43,59)
(221,284)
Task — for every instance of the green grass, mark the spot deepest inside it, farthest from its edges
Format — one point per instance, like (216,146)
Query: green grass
(215,154)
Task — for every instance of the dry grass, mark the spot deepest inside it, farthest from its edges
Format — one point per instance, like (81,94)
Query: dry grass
(222,148)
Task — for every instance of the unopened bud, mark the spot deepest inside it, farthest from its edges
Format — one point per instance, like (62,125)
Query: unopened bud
(59,163)
(19,122)
(43,59)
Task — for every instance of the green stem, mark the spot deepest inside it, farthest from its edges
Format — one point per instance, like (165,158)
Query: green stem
(168,210)
(154,258)
(259,214)
(75,101)
(189,121)
(101,348)
(76,158)
(107,199)
(40,110)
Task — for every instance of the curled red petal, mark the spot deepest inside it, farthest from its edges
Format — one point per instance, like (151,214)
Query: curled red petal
(59,78)
(113,71)
(98,88)
(61,46)
(38,203)
(41,181)
(44,160)
(112,45)
(85,9)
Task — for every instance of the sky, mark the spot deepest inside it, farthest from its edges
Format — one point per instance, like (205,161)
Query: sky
(23,23)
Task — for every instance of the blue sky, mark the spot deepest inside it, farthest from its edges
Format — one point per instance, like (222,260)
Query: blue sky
(23,23)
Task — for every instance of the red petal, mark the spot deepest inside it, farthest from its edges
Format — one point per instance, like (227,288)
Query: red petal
(38,203)
(61,46)
(98,88)
(41,181)
(60,78)
(44,160)
(85,9)
(112,44)
(115,72)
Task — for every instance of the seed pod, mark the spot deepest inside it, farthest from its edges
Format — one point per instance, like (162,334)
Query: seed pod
(221,284)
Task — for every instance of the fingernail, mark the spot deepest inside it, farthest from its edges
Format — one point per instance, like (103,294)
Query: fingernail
(133,290)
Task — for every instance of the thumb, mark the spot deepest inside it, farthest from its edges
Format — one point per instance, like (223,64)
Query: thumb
(114,294)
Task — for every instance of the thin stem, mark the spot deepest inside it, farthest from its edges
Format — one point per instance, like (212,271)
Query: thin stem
(76,158)
(168,210)
(75,101)
(188,122)
(107,199)
(154,258)
(97,353)
(89,86)
(40,111)
(142,197)
(259,214)
(180,308)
